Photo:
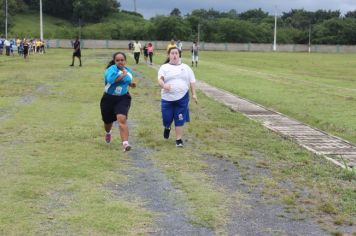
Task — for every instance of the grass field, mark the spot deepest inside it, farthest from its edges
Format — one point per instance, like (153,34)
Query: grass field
(56,169)
(317,89)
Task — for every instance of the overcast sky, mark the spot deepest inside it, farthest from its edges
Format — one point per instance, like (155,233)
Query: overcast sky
(150,8)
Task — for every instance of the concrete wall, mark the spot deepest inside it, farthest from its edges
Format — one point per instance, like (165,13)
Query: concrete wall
(250,47)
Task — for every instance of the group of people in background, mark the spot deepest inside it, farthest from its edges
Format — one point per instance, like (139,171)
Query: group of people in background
(137,49)
(23,47)
(147,50)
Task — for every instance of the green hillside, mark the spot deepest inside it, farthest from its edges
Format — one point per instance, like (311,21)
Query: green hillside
(115,26)
(28,25)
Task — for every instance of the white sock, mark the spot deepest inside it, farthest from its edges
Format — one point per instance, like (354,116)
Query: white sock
(125,143)
(109,132)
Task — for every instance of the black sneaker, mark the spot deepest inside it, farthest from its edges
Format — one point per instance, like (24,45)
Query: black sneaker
(166,132)
(179,143)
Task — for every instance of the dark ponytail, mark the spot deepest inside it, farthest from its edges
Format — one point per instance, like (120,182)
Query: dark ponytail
(112,62)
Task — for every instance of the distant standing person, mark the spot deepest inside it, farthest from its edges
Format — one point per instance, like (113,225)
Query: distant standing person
(18,41)
(180,47)
(2,40)
(195,53)
(21,48)
(43,47)
(76,52)
(175,79)
(116,101)
(137,51)
(150,50)
(26,48)
(145,52)
(7,45)
(172,44)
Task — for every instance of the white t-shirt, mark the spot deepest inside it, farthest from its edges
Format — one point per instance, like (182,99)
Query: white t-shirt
(137,47)
(179,77)
(7,43)
(179,45)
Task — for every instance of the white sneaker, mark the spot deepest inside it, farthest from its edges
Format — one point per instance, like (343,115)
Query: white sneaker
(127,147)
(179,143)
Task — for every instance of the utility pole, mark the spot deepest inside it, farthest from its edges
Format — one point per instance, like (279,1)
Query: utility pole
(309,45)
(135,6)
(6,19)
(275,31)
(41,22)
(80,20)
(198,43)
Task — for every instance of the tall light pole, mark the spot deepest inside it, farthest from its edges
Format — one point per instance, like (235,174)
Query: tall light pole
(275,31)
(135,6)
(309,44)
(79,12)
(41,22)
(198,43)
(6,19)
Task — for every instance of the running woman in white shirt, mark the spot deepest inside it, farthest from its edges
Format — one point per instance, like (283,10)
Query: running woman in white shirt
(175,79)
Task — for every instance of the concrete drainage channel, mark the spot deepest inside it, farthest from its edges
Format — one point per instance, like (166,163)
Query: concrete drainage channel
(335,149)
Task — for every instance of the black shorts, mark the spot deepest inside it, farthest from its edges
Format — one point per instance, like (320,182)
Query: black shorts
(77,53)
(112,105)
(25,50)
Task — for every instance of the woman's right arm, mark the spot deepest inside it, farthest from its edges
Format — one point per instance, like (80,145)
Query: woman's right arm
(112,76)
(163,85)
(161,78)
(161,81)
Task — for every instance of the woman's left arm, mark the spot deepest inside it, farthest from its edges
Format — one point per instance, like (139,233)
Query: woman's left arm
(194,94)
(133,84)
(192,84)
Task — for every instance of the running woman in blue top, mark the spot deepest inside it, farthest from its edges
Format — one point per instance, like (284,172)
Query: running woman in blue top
(116,101)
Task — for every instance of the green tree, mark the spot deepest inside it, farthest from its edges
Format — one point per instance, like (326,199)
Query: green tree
(335,31)
(58,8)
(255,15)
(32,4)
(287,35)
(167,27)
(298,18)
(207,14)
(322,15)
(93,10)
(175,12)
(351,14)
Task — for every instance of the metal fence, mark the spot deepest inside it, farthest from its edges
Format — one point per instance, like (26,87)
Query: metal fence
(248,47)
